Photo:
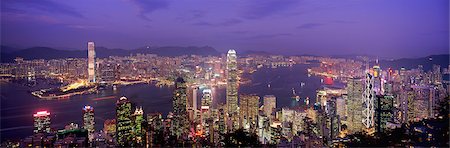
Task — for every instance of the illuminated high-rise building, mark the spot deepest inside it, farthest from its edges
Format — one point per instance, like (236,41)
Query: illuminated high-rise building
(437,75)
(333,123)
(368,102)
(377,83)
(206,110)
(89,121)
(109,126)
(249,107)
(124,123)
(155,128)
(232,88)
(138,127)
(384,111)
(221,126)
(354,104)
(270,103)
(206,99)
(180,123)
(192,103)
(91,62)
(41,122)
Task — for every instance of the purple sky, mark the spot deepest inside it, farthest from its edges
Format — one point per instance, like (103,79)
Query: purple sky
(389,28)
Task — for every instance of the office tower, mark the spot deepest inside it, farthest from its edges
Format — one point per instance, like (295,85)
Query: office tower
(124,122)
(341,107)
(109,126)
(270,103)
(222,129)
(263,128)
(321,97)
(249,107)
(194,100)
(206,110)
(155,130)
(437,76)
(88,121)
(333,123)
(232,88)
(180,123)
(354,104)
(206,99)
(424,102)
(91,62)
(377,86)
(192,103)
(368,102)
(42,122)
(138,127)
(384,111)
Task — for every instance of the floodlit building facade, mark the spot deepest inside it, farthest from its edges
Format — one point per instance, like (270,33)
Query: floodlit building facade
(41,122)
(91,62)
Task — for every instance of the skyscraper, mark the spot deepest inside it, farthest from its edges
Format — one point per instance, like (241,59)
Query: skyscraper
(124,123)
(41,122)
(91,62)
(354,104)
(180,123)
(232,88)
(368,102)
(384,111)
(249,107)
(88,121)
(377,83)
(206,99)
(270,103)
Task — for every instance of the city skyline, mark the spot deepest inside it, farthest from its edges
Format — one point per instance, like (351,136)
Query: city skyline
(272,73)
(300,27)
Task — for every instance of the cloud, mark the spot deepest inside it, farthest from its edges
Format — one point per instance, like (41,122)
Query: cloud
(84,26)
(191,15)
(309,26)
(343,22)
(240,32)
(227,22)
(258,9)
(202,23)
(230,22)
(20,6)
(266,36)
(146,7)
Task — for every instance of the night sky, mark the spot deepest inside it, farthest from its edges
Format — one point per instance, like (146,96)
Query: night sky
(388,28)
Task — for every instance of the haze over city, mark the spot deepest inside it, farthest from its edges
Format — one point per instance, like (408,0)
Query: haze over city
(384,28)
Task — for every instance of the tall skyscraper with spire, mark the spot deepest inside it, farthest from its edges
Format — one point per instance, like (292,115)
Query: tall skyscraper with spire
(91,62)
(232,89)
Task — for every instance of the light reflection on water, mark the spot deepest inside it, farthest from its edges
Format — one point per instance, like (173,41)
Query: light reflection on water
(18,105)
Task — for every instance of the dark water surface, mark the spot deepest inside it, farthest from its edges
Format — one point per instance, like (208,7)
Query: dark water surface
(18,105)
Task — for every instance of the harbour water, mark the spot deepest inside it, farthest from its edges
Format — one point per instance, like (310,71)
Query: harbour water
(18,105)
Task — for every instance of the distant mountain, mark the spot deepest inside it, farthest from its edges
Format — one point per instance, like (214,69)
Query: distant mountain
(410,63)
(8,54)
